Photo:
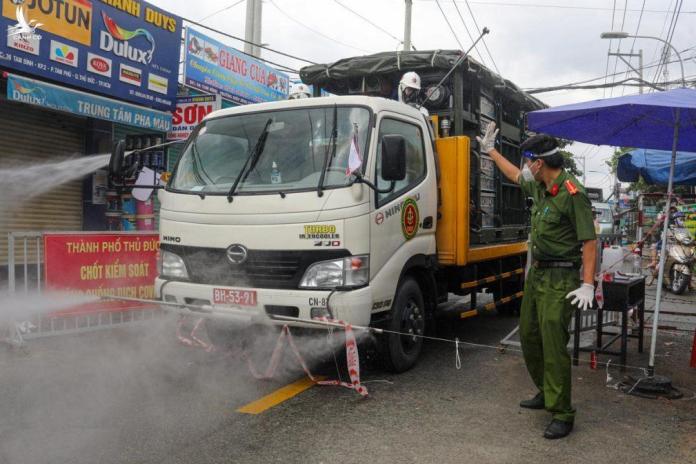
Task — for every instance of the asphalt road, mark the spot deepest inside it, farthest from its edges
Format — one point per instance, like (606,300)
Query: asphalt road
(136,395)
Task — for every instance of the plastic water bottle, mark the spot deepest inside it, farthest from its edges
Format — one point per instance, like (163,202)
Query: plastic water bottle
(275,174)
(636,262)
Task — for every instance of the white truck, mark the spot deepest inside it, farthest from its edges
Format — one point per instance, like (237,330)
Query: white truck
(341,206)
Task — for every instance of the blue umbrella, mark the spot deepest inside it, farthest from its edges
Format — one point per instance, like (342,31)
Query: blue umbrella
(659,120)
(653,167)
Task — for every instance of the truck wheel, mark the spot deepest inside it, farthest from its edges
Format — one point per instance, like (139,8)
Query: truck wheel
(399,353)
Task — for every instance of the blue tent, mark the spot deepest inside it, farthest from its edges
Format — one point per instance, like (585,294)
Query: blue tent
(653,166)
(646,121)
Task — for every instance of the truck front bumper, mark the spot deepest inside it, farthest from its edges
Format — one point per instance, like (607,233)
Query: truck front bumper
(353,307)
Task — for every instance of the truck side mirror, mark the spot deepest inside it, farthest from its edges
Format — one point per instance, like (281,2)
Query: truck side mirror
(116,160)
(393,157)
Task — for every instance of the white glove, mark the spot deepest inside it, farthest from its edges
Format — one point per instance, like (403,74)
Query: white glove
(582,297)
(487,143)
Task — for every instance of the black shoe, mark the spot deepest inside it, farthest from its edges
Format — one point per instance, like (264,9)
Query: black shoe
(557,429)
(535,403)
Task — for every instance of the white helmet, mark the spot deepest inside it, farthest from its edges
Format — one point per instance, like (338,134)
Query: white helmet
(410,80)
(299,91)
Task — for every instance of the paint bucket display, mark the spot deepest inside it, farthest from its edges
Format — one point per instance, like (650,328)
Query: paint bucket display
(113,220)
(128,222)
(128,204)
(146,207)
(145,222)
(113,201)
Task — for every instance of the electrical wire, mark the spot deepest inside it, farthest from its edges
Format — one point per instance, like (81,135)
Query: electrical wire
(586,81)
(670,31)
(606,67)
(466,28)
(556,6)
(461,47)
(376,26)
(319,33)
(217,31)
(222,9)
(478,31)
(618,47)
(630,58)
(662,30)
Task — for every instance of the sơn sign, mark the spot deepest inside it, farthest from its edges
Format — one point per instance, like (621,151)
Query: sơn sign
(109,264)
(215,68)
(190,112)
(125,49)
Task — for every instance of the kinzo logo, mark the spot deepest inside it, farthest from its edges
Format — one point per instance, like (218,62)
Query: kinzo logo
(98,65)
(116,42)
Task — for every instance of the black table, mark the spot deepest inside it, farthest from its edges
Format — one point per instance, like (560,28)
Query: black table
(619,296)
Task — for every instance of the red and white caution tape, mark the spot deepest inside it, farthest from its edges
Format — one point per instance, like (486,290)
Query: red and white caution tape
(352,356)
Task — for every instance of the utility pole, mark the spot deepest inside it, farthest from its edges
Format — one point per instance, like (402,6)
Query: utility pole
(407,26)
(252,27)
(258,10)
(638,71)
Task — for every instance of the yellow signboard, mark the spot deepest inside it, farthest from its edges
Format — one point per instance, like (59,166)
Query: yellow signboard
(70,19)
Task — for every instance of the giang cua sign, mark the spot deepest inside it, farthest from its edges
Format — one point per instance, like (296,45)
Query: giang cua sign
(128,49)
(33,92)
(213,67)
(189,112)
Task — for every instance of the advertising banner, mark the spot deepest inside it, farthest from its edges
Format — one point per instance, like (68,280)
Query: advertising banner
(109,264)
(190,112)
(213,67)
(38,93)
(125,49)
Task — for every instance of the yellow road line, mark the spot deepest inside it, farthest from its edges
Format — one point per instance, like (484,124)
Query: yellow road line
(278,396)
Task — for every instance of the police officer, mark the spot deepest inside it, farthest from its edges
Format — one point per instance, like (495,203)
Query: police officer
(409,91)
(563,240)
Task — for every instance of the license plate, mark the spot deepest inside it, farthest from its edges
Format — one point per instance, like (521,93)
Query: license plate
(229,296)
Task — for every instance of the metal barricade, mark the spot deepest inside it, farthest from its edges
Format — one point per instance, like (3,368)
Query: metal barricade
(25,254)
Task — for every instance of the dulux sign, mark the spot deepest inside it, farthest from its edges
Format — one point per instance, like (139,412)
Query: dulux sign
(215,68)
(51,96)
(128,50)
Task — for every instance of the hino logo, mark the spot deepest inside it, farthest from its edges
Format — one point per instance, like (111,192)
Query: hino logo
(169,238)
(237,254)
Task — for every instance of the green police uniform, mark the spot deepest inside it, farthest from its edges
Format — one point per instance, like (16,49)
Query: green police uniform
(561,221)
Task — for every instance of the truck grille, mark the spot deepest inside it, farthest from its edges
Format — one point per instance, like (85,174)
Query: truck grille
(280,269)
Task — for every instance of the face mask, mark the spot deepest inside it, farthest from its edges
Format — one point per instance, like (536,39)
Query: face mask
(527,174)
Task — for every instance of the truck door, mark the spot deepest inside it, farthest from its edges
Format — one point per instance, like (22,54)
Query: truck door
(403,221)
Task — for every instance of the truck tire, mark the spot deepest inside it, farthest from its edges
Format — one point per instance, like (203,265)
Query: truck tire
(399,353)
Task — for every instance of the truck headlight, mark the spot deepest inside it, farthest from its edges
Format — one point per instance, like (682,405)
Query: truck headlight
(353,271)
(171,265)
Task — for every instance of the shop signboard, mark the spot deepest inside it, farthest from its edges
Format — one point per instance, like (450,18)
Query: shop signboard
(101,265)
(190,112)
(38,93)
(213,67)
(127,50)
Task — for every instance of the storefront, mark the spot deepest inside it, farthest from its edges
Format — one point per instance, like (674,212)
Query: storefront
(68,90)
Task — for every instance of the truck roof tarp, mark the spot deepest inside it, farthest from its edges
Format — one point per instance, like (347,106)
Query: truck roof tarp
(399,62)
(653,166)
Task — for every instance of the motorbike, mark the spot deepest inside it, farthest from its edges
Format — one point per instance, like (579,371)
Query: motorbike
(680,259)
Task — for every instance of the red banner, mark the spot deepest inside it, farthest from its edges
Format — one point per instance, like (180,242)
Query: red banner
(108,264)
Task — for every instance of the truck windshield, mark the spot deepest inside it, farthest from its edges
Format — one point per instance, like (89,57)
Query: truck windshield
(292,157)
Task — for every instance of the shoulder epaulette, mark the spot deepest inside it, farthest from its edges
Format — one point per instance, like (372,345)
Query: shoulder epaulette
(572,189)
